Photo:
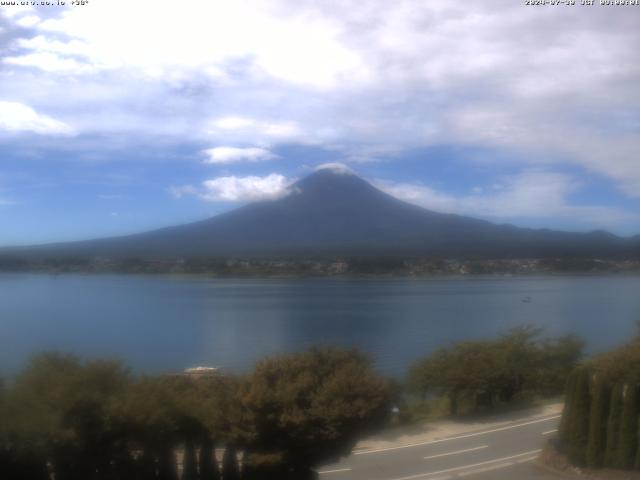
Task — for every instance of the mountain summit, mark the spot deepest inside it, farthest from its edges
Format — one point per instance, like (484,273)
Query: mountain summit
(335,212)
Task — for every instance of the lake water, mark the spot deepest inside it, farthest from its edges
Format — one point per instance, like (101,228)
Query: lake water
(158,324)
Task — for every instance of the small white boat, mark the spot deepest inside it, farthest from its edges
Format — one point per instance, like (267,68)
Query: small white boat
(201,371)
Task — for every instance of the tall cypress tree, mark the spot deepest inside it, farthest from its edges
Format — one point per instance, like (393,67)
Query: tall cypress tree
(637,462)
(579,426)
(628,437)
(598,422)
(613,426)
(567,413)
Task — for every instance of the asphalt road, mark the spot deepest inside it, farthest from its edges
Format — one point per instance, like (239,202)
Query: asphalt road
(505,452)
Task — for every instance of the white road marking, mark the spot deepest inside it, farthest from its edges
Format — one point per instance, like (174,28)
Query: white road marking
(525,460)
(456,452)
(485,469)
(459,437)
(549,432)
(502,461)
(338,470)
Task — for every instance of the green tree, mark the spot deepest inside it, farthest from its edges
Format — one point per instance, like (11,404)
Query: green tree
(613,425)
(622,364)
(483,372)
(259,466)
(157,413)
(431,376)
(557,358)
(470,372)
(428,375)
(63,409)
(598,422)
(220,413)
(578,429)
(566,420)
(636,464)
(628,436)
(519,358)
(312,407)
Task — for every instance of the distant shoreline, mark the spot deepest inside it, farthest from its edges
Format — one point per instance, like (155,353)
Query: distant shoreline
(312,268)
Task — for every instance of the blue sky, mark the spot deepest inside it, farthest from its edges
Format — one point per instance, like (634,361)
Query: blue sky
(119,116)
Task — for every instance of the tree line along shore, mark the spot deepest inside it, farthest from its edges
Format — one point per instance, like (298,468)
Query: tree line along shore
(322,266)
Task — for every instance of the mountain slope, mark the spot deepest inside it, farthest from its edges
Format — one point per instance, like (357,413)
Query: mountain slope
(338,213)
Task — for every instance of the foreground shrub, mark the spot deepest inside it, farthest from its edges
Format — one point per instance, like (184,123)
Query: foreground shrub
(597,423)
(94,421)
(308,408)
(484,373)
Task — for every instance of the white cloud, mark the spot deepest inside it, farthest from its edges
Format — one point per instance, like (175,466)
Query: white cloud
(606,151)
(530,195)
(335,167)
(373,153)
(421,195)
(11,11)
(184,190)
(222,155)
(233,123)
(49,62)
(17,117)
(299,49)
(28,21)
(329,73)
(238,189)
(257,130)
(281,130)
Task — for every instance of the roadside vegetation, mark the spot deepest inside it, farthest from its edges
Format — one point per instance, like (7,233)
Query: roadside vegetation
(70,419)
(520,367)
(67,419)
(599,427)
